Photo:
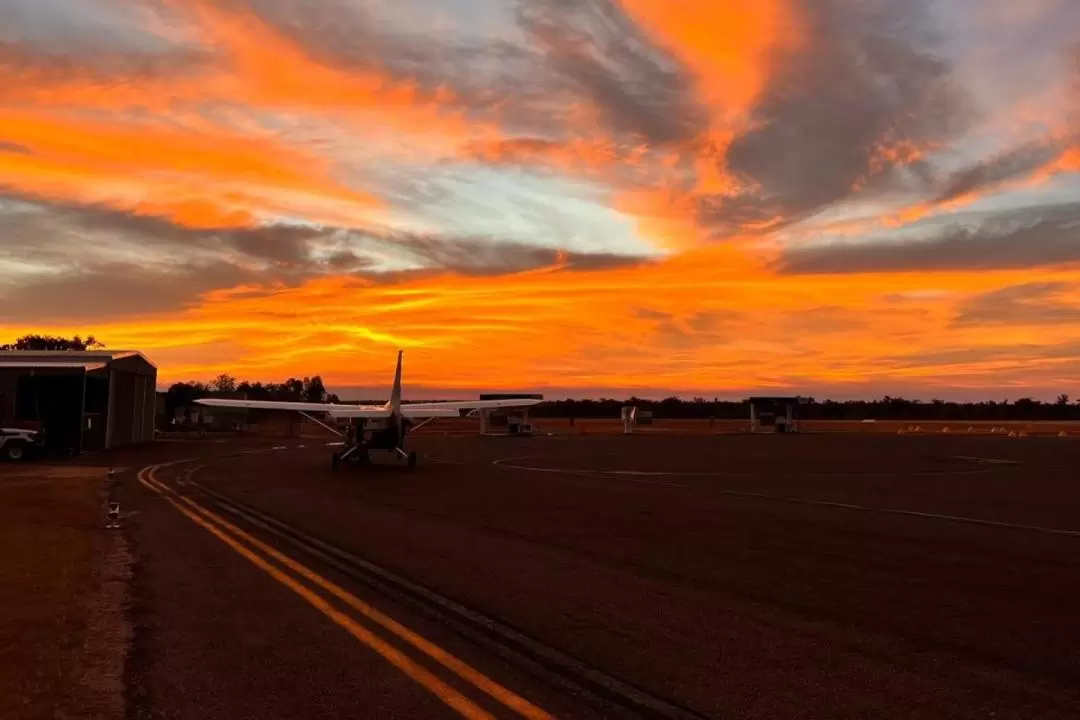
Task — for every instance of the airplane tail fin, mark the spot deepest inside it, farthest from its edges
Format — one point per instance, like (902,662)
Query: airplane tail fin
(395,393)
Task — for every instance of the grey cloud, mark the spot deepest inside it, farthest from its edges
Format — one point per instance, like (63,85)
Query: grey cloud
(825,319)
(118,289)
(92,40)
(601,53)
(1012,164)
(686,331)
(649,314)
(85,252)
(337,32)
(84,249)
(573,49)
(67,227)
(482,256)
(1027,238)
(869,74)
(106,65)
(16,148)
(482,74)
(1069,350)
(1029,304)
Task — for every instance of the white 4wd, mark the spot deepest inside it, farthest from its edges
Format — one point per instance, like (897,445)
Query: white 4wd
(16,444)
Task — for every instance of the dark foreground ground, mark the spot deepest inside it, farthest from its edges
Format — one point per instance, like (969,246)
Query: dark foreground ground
(818,576)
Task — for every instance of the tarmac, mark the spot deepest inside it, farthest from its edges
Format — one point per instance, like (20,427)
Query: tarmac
(660,575)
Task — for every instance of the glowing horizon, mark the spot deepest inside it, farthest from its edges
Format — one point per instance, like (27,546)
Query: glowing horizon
(826,197)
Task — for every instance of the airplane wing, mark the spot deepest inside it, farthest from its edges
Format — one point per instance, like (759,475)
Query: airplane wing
(267,405)
(343,411)
(415,410)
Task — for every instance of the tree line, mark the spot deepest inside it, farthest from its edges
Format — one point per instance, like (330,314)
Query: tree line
(48,342)
(309,389)
(886,408)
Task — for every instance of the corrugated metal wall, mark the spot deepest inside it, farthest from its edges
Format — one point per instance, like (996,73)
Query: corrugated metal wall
(121,406)
(132,401)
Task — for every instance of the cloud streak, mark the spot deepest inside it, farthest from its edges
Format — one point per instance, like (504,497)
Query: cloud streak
(1036,237)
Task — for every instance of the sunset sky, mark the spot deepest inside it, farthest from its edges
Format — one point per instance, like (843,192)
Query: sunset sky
(839,198)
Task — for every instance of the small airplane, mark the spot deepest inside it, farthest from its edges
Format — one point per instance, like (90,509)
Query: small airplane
(375,427)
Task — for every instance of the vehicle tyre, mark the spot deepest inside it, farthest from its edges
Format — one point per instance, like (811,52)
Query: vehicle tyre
(412,460)
(14,451)
(335,460)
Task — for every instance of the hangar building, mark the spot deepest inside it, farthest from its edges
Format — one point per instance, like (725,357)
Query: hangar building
(514,420)
(83,400)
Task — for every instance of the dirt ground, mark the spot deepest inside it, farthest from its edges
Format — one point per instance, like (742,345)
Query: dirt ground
(62,634)
(851,573)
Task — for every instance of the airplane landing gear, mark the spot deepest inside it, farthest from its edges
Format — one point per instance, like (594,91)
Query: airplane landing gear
(412,460)
(357,454)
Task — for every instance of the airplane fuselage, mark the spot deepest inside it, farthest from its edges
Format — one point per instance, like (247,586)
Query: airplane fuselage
(362,435)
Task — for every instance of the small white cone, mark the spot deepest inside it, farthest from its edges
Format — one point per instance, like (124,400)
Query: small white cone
(1022,434)
(1063,434)
(971,429)
(945,429)
(1012,434)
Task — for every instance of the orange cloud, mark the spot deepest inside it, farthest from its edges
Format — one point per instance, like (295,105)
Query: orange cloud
(577,155)
(201,178)
(665,216)
(245,64)
(705,320)
(1067,162)
(727,43)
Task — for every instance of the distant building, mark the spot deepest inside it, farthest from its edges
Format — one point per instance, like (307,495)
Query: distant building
(775,413)
(512,420)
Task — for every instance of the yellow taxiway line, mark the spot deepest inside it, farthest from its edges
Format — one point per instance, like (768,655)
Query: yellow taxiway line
(231,536)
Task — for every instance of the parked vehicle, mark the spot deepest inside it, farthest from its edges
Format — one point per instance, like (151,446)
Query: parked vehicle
(17,444)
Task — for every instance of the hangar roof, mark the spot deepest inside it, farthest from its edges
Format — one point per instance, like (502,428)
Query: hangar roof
(34,364)
(66,358)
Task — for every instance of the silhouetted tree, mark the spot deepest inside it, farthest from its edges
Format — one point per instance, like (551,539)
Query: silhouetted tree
(224,383)
(314,390)
(49,342)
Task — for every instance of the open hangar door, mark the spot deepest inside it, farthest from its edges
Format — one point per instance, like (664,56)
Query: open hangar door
(68,404)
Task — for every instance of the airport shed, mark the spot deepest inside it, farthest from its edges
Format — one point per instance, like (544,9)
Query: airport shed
(514,420)
(82,400)
(775,413)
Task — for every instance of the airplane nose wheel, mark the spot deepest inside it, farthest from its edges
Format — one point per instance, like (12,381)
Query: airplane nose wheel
(412,460)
